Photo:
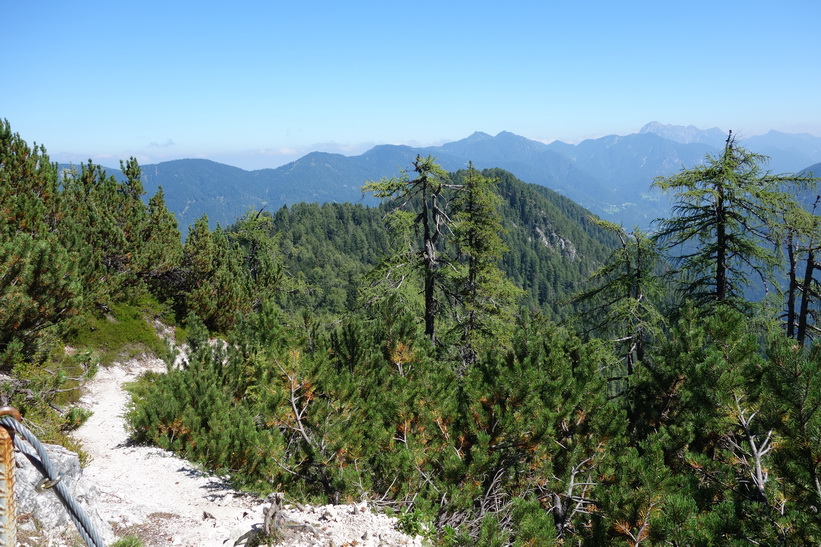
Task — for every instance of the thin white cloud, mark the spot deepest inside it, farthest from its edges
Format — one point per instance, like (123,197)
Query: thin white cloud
(166,144)
(280,151)
(345,149)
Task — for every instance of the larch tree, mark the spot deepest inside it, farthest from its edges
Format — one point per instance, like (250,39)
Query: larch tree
(622,301)
(801,243)
(424,195)
(722,222)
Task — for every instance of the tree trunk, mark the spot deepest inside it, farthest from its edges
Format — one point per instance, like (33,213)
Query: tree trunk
(792,289)
(806,297)
(429,264)
(721,250)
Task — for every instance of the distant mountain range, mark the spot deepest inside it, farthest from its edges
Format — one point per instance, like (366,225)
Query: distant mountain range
(611,176)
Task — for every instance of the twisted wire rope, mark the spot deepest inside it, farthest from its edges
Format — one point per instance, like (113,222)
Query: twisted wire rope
(41,461)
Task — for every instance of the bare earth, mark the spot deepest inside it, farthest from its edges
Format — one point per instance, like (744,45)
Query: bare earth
(164,500)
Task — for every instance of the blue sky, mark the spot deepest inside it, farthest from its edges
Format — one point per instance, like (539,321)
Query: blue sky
(258,84)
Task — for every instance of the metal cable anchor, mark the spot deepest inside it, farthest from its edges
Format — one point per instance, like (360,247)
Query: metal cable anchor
(46,483)
(11,423)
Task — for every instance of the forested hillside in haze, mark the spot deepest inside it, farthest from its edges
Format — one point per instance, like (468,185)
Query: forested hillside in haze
(478,355)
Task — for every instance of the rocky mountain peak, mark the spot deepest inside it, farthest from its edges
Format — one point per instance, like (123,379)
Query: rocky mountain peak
(686,134)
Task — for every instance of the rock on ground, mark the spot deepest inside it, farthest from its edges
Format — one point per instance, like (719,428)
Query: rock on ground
(41,515)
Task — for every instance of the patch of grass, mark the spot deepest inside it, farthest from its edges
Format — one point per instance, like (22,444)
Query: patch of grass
(48,426)
(180,334)
(122,332)
(50,390)
(75,417)
(142,385)
(70,369)
(128,541)
(413,523)
(261,539)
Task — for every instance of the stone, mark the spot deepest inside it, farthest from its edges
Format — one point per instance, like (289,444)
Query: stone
(43,511)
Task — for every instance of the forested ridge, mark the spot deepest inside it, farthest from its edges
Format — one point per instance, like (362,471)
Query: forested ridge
(477,354)
(552,245)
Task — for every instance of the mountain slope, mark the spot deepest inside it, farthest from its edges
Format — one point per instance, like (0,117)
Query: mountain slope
(533,162)
(787,152)
(815,170)
(195,186)
(553,245)
(629,165)
(611,175)
(687,135)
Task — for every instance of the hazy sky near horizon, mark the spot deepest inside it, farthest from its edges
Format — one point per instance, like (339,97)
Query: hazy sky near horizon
(260,83)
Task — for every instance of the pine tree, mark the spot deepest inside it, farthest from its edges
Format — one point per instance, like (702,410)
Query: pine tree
(130,209)
(701,406)
(215,286)
(261,257)
(105,220)
(29,187)
(534,423)
(161,253)
(39,289)
(39,286)
(790,391)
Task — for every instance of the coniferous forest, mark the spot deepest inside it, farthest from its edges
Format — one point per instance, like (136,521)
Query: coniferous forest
(478,355)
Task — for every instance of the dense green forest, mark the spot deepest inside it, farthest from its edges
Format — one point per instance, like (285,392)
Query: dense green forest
(477,354)
(552,245)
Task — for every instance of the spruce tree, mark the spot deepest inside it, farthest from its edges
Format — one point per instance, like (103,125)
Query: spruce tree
(486,296)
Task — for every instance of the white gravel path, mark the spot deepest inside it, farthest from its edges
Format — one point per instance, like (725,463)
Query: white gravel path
(164,500)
